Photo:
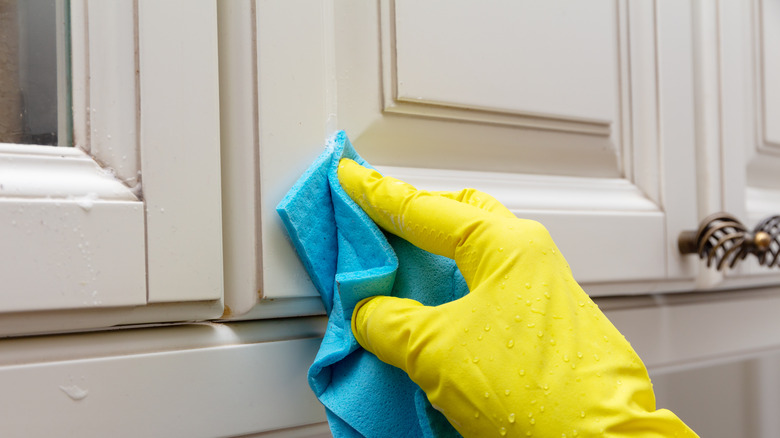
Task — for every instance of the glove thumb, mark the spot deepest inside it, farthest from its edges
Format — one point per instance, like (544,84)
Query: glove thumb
(395,329)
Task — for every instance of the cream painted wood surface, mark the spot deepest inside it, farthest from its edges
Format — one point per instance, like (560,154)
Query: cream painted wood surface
(180,149)
(491,55)
(86,242)
(738,163)
(769,62)
(58,251)
(190,381)
(592,133)
(250,249)
(686,78)
(727,399)
(248,378)
(105,87)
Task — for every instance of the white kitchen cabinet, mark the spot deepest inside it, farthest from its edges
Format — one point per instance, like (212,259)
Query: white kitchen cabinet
(617,124)
(579,116)
(739,166)
(117,228)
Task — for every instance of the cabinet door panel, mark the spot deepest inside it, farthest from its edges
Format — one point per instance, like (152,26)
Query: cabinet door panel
(746,149)
(441,90)
(533,58)
(125,227)
(580,117)
(764,153)
(770,61)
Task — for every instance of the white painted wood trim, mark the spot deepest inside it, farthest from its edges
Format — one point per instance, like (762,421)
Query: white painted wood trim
(600,206)
(109,107)
(321,430)
(764,153)
(28,171)
(56,186)
(88,318)
(533,192)
(768,66)
(236,372)
(422,108)
(761,203)
(64,100)
(242,239)
(266,308)
(676,153)
(293,111)
(79,71)
(731,162)
(72,235)
(204,380)
(82,252)
(681,331)
(180,149)
(148,340)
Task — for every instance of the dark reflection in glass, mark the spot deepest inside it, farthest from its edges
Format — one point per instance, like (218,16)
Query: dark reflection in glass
(34,72)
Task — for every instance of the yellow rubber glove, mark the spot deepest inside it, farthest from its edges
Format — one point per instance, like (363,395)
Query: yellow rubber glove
(526,352)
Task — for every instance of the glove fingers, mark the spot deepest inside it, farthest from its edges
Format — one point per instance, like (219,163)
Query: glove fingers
(437,224)
(478,199)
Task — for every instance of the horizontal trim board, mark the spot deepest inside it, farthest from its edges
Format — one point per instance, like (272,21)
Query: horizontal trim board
(68,254)
(145,340)
(606,247)
(320,430)
(533,192)
(420,108)
(217,391)
(678,330)
(617,228)
(90,319)
(279,308)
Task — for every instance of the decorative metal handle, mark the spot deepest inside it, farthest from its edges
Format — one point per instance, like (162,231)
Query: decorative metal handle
(723,239)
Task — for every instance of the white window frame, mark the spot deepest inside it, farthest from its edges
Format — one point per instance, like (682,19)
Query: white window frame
(125,228)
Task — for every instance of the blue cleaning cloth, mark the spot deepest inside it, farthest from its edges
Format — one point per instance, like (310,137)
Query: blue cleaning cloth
(349,258)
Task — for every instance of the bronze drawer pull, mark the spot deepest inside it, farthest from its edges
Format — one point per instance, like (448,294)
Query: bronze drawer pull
(723,239)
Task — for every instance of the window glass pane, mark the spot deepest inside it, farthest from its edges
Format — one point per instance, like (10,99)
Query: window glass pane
(35,72)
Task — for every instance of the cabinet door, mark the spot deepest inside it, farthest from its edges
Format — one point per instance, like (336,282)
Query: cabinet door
(125,227)
(577,115)
(738,95)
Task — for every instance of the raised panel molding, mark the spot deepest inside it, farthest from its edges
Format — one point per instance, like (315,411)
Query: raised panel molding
(763,43)
(513,85)
(764,158)
(738,168)
(769,64)
(574,122)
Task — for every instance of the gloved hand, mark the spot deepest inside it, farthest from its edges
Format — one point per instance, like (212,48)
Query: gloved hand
(526,352)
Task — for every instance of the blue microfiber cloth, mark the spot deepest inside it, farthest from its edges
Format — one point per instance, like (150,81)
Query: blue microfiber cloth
(349,258)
